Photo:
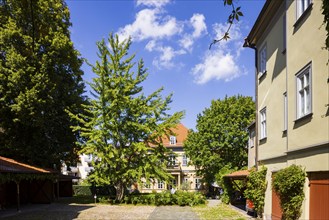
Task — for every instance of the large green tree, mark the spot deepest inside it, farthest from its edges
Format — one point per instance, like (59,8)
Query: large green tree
(124,127)
(221,136)
(40,77)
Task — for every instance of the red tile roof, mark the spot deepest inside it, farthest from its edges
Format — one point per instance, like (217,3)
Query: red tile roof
(180,133)
(12,166)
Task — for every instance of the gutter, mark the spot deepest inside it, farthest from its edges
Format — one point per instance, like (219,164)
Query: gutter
(253,46)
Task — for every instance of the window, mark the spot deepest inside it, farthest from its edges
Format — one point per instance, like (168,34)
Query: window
(197,183)
(185,160)
(251,139)
(262,60)
(172,184)
(172,140)
(172,160)
(160,185)
(285,112)
(263,124)
(302,5)
(147,186)
(304,92)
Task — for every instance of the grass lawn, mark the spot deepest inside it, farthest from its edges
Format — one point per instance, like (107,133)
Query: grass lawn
(221,211)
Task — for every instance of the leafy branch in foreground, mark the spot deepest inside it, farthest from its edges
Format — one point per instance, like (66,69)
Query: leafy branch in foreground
(234,16)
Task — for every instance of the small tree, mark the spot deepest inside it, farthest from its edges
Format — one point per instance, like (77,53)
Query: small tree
(124,127)
(256,187)
(289,184)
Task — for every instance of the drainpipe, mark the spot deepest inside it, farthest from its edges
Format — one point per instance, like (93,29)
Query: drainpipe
(253,46)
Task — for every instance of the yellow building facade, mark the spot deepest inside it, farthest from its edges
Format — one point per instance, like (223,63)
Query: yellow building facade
(183,173)
(292,98)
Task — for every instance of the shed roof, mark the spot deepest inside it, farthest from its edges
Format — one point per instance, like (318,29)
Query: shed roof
(240,174)
(12,166)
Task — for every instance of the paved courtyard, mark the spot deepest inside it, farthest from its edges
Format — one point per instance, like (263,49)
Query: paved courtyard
(62,211)
(75,211)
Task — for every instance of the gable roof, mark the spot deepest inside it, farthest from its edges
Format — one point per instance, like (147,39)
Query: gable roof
(180,132)
(12,166)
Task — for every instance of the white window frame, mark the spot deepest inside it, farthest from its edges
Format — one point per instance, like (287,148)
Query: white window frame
(172,160)
(301,6)
(263,126)
(285,111)
(197,183)
(304,91)
(173,184)
(172,140)
(185,160)
(262,60)
(160,185)
(251,139)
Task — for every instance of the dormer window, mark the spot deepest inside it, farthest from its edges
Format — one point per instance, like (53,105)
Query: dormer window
(172,140)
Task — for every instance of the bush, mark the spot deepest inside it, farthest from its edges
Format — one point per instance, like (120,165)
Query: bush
(181,198)
(256,187)
(289,184)
(82,190)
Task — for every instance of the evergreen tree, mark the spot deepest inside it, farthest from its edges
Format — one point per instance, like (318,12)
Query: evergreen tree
(124,127)
(40,77)
(221,137)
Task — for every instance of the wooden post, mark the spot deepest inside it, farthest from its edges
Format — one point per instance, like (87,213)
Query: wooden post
(18,199)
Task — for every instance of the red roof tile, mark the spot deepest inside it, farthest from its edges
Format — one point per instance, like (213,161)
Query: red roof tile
(12,166)
(180,132)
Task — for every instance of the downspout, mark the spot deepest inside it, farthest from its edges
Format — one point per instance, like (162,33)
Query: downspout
(253,46)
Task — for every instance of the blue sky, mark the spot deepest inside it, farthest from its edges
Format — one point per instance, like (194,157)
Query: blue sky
(172,37)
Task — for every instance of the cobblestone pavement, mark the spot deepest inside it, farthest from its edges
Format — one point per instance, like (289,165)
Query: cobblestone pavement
(90,211)
(173,212)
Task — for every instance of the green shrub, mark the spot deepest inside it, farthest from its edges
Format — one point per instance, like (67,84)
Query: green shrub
(181,198)
(256,187)
(289,185)
(82,190)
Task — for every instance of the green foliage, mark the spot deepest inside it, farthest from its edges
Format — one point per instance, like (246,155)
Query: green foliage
(256,187)
(225,183)
(40,77)
(79,190)
(123,127)
(221,136)
(325,12)
(180,197)
(289,184)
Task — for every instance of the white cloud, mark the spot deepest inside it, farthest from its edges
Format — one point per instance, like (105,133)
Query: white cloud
(198,22)
(216,66)
(221,62)
(150,24)
(166,54)
(153,3)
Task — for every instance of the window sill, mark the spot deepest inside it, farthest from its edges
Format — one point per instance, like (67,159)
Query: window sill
(309,115)
(302,16)
(261,75)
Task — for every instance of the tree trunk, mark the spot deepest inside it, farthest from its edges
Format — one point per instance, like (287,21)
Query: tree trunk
(120,191)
